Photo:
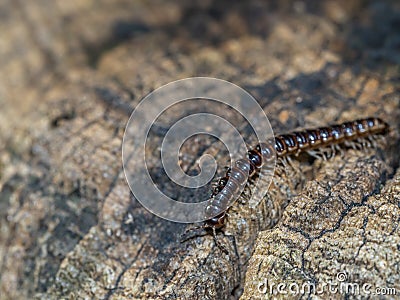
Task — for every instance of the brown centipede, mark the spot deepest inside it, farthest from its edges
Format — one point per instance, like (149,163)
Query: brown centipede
(283,146)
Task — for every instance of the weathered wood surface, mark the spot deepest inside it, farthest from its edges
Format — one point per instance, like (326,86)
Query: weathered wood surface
(343,228)
(69,80)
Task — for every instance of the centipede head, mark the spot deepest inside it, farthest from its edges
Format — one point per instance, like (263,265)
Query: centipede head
(216,222)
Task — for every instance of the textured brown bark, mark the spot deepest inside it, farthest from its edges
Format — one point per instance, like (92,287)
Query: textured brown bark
(332,234)
(72,74)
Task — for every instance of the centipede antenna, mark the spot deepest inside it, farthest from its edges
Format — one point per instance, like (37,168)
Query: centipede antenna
(198,230)
(227,169)
(285,163)
(202,231)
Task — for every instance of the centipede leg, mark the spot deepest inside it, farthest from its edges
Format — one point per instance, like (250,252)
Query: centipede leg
(367,143)
(323,153)
(246,195)
(280,167)
(372,140)
(329,152)
(339,149)
(332,152)
(284,161)
(284,166)
(293,166)
(218,243)
(358,145)
(363,143)
(352,144)
(381,139)
(315,153)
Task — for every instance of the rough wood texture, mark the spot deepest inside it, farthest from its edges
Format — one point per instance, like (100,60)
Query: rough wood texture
(69,80)
(344,223)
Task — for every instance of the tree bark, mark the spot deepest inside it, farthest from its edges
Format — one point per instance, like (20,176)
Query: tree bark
(70,228)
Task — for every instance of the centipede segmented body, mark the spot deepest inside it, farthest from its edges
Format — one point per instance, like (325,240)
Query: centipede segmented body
(230,186)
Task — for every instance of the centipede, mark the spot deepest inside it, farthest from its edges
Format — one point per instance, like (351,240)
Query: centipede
(282,147)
